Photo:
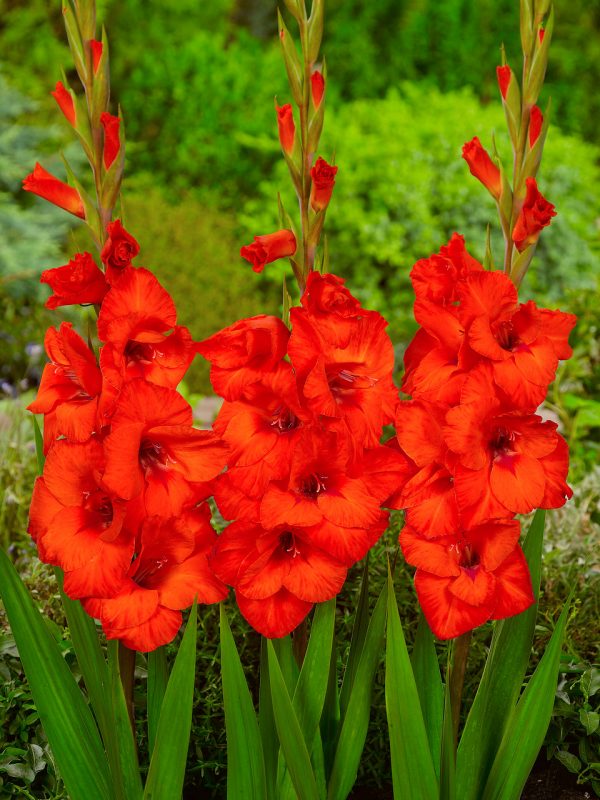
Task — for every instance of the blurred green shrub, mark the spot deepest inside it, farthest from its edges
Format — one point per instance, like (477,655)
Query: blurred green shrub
(403,188)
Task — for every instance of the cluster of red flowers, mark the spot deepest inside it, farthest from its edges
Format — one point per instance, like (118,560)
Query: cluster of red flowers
(306,475)
(121,507)
(477,369)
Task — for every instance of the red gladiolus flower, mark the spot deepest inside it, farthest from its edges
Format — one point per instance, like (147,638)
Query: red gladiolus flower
(482,167)
(347,375)
(134,321)
(428,495)
(262,430)
(317,85)
(154,454)
(504,75)
(536,120)
(78,282)
(512,338)
(437,278)
(323,181)
(507,462)
(45,185)
(287,129)
(170,570)
(469,577)
(242,353)
(118,251)
(69,389)
(112,142)
(96,48)
(65,102)
(78,524)
(268,248)
(278,574)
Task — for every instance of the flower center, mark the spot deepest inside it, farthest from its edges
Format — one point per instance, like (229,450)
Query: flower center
(313,485)
(287,542)
(142,352)
(152,455)
(283,420)
(98,503)
(502,442)
(148,569)
(506,336)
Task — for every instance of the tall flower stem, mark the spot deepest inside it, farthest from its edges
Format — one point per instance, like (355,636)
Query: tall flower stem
(457,664)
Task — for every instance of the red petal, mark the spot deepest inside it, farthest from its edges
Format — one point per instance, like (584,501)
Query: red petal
(277,615)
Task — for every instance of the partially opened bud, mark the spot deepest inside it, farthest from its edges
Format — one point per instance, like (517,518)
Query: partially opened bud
(536,120)
(287,129)
(96,53)
(504,75)
(541,34)
(112,143)
(45,185)
(317,85)
(482,167)
(269,247)
(536,213)
(65,102)
(323,181)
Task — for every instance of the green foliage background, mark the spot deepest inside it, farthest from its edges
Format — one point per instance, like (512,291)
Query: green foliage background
(409,82)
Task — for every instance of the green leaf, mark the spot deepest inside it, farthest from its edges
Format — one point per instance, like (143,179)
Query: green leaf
(245,765)
(500,683)
(527,726)
(65,716)
(413,774)
(122,734)
(590,720)
(355,720)
(167,765)
(359,632)
(426,670)
(311,687)
(266,723)
(294,747)
(448,753)
(571,762)
(94,670)
(330,718)
(158,678)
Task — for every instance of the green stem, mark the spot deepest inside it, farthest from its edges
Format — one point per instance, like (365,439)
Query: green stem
(457,664)
(307,249)
(300,642)
(127,671)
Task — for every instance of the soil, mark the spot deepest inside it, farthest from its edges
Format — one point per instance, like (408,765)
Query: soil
(548,781)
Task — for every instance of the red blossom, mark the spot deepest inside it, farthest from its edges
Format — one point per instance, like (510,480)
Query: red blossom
(80,282)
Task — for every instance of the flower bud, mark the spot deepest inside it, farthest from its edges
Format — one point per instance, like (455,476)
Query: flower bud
(323,181)
(504,75)
(317,85)
(269,247)
(536,120)
(482,167)
(45,185)
(287,129)
(536,213)
(65,102)
(96,48)
(112,142)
